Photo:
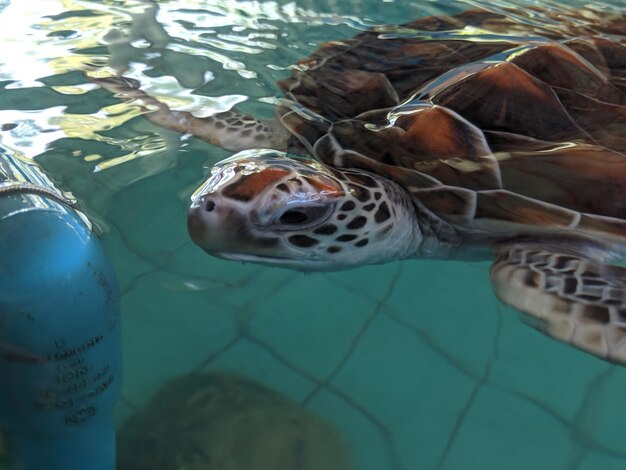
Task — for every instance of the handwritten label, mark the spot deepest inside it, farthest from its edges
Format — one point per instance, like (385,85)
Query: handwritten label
(64,353)
(80,416)
(76,392)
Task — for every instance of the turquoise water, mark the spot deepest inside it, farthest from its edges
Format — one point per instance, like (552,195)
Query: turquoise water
(415,363)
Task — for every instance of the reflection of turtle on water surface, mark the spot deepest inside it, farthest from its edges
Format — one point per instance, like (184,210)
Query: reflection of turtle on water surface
(482,135)
(224,422)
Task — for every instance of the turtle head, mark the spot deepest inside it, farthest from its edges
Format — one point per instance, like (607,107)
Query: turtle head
(272,208)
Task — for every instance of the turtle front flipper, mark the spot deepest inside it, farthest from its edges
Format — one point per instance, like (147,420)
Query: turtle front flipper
(230,130)
(578,300)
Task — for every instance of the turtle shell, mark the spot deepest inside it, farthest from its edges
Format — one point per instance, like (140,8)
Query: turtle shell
(508,122)
(220,421)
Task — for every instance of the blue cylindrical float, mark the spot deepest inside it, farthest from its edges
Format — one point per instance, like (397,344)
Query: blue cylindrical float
(60,346)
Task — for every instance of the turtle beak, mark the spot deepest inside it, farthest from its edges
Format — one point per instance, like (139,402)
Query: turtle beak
(203,209)
(214,224)
(220,228)
(213,221)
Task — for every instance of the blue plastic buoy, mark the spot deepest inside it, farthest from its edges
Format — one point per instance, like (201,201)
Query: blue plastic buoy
(60,345)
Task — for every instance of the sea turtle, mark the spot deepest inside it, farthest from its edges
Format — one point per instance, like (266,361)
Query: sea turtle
(222,421)
(478,136)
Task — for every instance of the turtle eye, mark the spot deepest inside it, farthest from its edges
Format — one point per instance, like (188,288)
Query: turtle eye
(302,216)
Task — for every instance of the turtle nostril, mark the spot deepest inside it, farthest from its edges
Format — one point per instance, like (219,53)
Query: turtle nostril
(209,205)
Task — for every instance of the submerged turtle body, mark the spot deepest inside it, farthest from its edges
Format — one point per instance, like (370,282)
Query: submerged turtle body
(220,421)
(479,135)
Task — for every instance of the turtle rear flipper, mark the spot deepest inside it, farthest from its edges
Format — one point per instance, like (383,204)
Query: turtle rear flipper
(576,299)
(230,130)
